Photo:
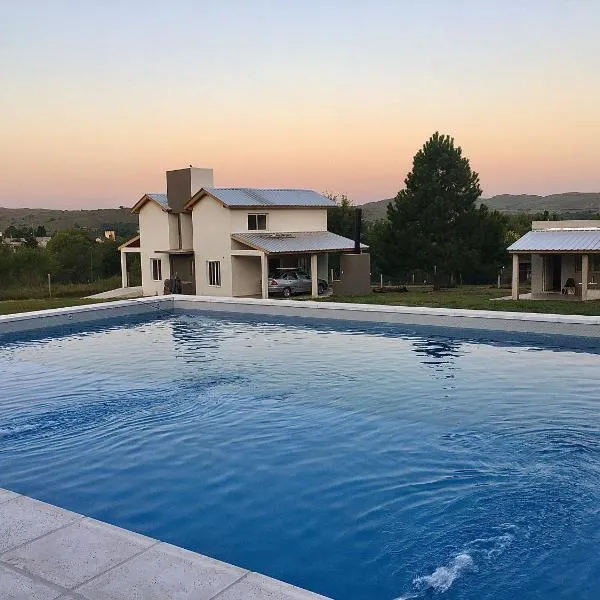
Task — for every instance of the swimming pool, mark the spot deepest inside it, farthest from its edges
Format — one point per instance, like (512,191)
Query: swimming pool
(357,462)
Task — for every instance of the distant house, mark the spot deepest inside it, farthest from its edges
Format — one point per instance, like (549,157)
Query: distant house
(226,241)
(565,259)
(42,241)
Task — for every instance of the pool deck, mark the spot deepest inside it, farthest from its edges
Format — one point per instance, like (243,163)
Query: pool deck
(48,553)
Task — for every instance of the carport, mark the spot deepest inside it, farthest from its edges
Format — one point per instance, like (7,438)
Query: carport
(309,250)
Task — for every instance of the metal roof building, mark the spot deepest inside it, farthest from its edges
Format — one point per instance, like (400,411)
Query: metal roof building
(264,198)
(558,240)
(296,242)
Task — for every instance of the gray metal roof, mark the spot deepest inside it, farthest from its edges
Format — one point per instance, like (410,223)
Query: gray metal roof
(566,240)
(160,198)
(265,198)
(292,242)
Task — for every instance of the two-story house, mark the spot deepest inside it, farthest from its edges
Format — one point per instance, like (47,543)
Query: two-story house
(226,241)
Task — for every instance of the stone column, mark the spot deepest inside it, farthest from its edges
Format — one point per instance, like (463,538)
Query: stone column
(314,275)
(584,276)
(124,270)
(264,276)
(515,277)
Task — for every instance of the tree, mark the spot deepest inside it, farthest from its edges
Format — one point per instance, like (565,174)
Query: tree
(73,253)
(40,231)
(434,222)
(107,259)
(340,218)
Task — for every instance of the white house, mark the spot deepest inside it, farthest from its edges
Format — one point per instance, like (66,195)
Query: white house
(225,241)
(565,259)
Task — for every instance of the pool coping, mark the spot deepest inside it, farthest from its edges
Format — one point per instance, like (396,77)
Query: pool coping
(485,320)
(49,553)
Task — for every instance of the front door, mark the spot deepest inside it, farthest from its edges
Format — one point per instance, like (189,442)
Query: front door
(182,265)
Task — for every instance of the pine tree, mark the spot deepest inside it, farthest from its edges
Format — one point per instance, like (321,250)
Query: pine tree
(434,222)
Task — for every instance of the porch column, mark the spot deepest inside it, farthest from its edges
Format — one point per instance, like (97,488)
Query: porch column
(584,276)
(264,276)
(124,270)
(314,275)
(515,277)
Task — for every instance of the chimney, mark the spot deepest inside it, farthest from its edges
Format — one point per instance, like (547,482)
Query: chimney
(182,184)
(357,226)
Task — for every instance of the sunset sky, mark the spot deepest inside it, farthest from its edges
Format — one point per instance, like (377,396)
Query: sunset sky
(99,97)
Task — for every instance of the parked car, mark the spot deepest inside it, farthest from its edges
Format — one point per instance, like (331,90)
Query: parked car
(293,281)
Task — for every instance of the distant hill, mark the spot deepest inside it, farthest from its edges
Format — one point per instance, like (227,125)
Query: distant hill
(576,203)
(96,221)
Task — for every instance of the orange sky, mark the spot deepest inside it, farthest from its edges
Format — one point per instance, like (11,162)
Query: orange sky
(102,98)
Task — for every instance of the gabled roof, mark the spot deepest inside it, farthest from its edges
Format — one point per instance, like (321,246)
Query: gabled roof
(296,242)
(160,199)
(263,198)
(558,240)
(134,242)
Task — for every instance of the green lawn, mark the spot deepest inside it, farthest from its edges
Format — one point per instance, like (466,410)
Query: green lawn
(8,307)
(472,297)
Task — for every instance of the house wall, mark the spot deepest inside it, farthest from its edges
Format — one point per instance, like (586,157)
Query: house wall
(154,235)
(173,232)
(212,241)
(282,219)
(571,224)
(187,232)
(537,273)
(246,275)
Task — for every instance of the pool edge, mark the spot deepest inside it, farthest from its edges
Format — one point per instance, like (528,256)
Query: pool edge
(116,556)
(499,321)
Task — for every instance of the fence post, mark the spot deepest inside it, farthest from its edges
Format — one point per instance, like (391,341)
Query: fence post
(49,287)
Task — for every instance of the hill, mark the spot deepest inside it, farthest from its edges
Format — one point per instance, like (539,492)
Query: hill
(571,203)
(96,221)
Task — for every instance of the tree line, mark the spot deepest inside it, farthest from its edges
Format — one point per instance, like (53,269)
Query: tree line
(436,223)
(70,256)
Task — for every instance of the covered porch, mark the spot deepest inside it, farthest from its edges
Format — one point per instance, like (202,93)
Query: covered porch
(131,246)
(255,256)
(560,275)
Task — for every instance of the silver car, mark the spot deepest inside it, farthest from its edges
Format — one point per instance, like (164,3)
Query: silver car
(293,281)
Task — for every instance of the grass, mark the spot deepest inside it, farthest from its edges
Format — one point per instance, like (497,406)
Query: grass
(8,307)
(474,298)
(60,290)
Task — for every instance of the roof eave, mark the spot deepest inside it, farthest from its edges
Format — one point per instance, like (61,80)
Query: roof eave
(135,209)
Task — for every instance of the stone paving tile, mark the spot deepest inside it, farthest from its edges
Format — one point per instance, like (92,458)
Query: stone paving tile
(261,587)
(16,586)
(75,554)
(6,495)
(162,572)
(24,519)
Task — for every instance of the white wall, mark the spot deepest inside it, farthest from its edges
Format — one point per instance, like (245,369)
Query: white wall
(154,235)
(283,219)
(212,241)
(537,273)
(246,275)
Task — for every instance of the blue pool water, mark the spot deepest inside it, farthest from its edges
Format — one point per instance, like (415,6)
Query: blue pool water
(361,464)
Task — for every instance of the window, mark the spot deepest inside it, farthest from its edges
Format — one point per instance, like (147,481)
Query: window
(156,265)
(214,273)
(256,222)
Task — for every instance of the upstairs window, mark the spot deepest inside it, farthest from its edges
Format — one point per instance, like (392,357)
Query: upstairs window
(257,222)
(214,273)
(156,266)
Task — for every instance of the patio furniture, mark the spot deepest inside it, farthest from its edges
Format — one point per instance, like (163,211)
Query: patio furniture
(569,287)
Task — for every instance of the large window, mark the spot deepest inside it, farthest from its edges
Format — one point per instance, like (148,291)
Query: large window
(214,273)
(257,222)
(156,265)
